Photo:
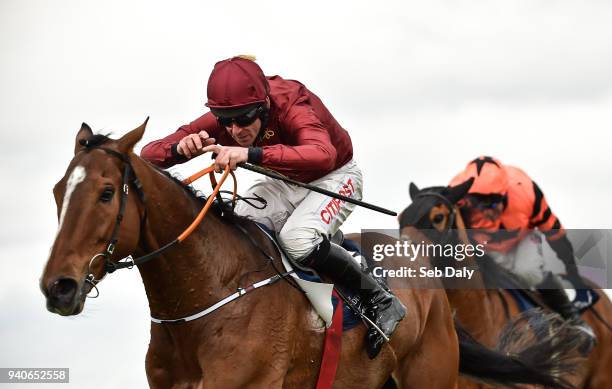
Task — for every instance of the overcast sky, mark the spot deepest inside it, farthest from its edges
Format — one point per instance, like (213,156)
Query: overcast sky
(422,87)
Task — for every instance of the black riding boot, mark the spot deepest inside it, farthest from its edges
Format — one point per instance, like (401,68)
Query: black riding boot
(557,300)
(380,306)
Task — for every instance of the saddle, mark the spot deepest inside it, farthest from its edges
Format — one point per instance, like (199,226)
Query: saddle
(321,294)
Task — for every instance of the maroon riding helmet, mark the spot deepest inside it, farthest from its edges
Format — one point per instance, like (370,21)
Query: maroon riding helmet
(236,85)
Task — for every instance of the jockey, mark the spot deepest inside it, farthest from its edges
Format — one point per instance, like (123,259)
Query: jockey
(506,209)
(281,125)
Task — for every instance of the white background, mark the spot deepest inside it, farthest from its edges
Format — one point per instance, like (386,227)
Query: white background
(422,87)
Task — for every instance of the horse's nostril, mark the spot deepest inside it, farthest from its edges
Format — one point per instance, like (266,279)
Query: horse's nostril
(63,289)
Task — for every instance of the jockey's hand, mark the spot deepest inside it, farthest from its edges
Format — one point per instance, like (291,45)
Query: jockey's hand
(231,155)
(192,145)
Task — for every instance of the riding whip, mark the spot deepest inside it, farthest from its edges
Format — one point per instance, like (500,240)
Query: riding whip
(278,176)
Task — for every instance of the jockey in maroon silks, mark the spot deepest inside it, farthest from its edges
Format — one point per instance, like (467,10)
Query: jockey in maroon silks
(281,125)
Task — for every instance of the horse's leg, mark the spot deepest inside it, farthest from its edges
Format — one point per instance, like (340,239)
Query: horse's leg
(159,361)
(171,360)
(158,375)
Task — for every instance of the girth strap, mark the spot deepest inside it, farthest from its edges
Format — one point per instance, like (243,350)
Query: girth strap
(241,292)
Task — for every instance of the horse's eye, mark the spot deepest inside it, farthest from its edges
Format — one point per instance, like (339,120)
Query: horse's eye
(107,194)
(439,218)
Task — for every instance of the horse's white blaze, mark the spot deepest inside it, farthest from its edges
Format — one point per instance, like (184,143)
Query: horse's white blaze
(76,177)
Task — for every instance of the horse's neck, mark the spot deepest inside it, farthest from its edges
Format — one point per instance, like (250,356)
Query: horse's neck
(196,273)
(468,298)
(472,302)
(476,311)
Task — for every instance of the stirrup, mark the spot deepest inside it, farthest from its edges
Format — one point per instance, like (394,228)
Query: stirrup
(376,336)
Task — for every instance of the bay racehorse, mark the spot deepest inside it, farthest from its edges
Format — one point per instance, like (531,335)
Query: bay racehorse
(269,338)
(485,312)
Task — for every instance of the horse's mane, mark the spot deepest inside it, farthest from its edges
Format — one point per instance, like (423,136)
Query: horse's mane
(189,189)
(223,211)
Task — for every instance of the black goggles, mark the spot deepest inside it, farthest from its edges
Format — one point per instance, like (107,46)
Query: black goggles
(246,119)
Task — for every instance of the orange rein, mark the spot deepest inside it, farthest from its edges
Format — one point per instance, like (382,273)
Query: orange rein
(216,187)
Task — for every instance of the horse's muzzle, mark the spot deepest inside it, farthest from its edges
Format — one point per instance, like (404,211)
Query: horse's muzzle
(63,297)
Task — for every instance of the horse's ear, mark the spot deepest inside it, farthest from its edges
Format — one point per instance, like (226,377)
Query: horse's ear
(456,193)
(414,190)
(84,133)
(129,140)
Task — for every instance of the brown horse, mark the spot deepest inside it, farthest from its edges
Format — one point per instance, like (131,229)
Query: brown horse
(270,338)
(485,312)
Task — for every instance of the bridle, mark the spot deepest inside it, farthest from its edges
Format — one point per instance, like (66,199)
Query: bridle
(129,177)
(446,233)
